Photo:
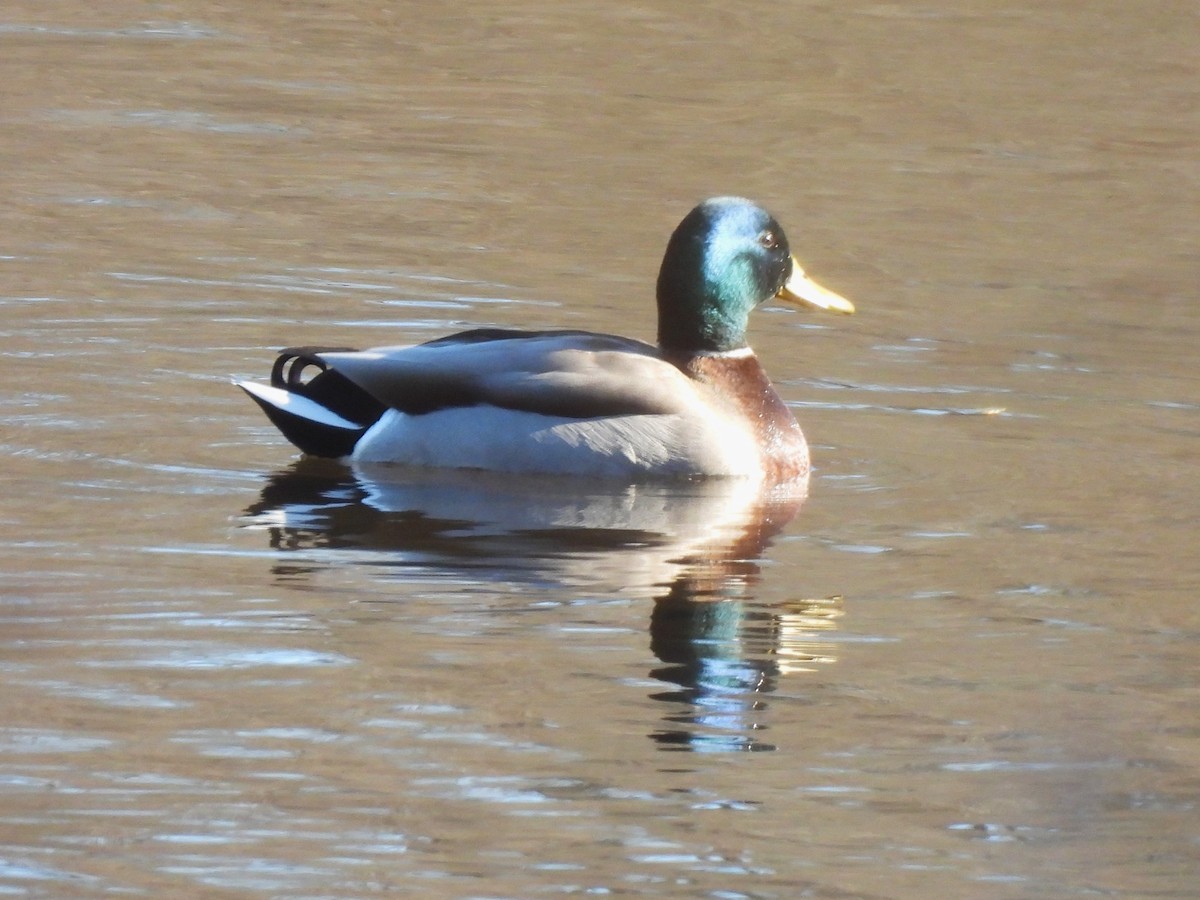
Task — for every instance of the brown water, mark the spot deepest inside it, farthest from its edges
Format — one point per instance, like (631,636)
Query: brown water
(969,661)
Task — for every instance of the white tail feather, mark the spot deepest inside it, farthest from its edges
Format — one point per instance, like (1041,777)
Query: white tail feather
(297,405)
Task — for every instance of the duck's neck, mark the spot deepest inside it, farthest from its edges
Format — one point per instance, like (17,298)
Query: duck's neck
(712,335)
(699,319)
(739,382)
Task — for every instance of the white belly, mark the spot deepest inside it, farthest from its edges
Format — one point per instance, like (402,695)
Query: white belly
(485,437)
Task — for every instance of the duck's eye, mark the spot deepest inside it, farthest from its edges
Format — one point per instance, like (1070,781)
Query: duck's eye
(768,240)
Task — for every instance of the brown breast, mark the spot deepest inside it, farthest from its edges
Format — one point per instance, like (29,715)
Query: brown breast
(740,384)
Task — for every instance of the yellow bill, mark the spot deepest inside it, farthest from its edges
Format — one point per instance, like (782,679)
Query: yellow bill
(800,290)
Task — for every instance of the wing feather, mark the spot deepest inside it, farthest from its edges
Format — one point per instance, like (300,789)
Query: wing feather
(566,374)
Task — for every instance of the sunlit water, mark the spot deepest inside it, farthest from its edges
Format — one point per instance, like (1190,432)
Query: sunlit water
(965,666)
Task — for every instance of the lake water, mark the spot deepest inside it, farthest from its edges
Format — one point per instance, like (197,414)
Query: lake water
(965,667)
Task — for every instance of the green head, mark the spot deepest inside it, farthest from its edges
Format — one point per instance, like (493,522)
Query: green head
(726,257)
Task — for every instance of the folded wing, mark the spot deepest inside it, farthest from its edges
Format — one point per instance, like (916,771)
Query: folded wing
(564,373)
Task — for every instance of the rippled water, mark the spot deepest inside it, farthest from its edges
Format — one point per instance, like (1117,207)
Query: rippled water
(964,667)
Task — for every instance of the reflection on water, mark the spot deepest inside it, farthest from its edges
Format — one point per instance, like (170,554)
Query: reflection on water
(723,658)
(693,548)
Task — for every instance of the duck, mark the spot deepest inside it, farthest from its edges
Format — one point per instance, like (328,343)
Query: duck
(695,404)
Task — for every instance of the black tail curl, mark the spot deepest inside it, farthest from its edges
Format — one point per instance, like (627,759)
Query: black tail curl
(329,388)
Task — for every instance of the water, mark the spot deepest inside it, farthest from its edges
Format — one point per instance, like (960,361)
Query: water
(964,667)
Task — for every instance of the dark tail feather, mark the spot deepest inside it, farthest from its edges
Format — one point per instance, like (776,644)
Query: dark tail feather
(323,416)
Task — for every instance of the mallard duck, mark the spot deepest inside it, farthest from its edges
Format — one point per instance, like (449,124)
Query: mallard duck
(574,402)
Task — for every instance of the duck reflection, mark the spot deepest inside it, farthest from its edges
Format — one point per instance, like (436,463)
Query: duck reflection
(724,657)
(694,548)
